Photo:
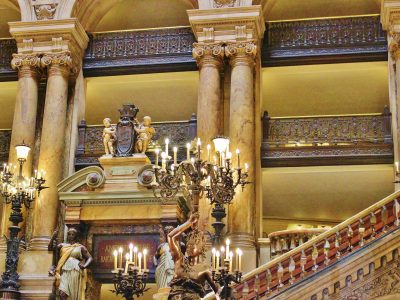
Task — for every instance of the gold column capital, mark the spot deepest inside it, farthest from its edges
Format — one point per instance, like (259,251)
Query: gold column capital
(28,65)
(394,49)
(59,63)
(210,54)
(241,53)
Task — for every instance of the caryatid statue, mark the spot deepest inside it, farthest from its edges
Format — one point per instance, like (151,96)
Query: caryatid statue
(70,271)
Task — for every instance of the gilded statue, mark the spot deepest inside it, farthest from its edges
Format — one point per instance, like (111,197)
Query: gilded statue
(109,137)
(191,274)
(145,132)
(70,272)
(163,260)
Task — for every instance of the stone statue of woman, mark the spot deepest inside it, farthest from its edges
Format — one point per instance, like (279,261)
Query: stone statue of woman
(70,271)
(163,260)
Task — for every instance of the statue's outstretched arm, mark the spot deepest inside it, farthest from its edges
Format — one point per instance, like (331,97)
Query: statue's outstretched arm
(173,236)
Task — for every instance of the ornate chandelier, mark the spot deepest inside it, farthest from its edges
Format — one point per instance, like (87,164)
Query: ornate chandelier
(17,190)
(196,177)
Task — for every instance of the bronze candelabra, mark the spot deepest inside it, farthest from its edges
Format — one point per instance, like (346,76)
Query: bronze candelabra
(195,178)
(17,191)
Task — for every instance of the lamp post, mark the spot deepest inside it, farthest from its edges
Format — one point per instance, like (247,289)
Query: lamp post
(16,190)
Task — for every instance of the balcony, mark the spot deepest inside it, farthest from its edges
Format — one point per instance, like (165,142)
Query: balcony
(327,140)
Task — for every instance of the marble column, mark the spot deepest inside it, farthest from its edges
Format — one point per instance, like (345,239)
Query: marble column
(51,158)
(242,135)
(394,95)
(209,57)
(24,122)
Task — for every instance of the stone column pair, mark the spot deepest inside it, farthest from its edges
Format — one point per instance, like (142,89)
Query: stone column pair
(29,68)
(241,57)
(24,122)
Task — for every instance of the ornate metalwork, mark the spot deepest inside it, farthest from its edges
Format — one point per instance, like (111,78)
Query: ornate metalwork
(17,191)
(199,178)
(130,284)
(324,37)
(134,48)
(330,136)
(5,139)
(225,278)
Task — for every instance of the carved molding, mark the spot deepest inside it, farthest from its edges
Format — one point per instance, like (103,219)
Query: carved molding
(241,52)
(45,11)
(28,65)
(57,63)
(210,54)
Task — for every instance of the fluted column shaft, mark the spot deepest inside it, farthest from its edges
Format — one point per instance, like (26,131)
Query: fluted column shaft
(51,146)
(242,135)
(24,122)
(209,57)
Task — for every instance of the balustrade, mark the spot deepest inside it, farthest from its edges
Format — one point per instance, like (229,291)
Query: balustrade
(324,250)
(286,240)
(317,140)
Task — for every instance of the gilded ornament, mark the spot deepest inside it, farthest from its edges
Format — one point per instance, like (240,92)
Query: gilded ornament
(224,3)
(25,60)
(45,11)
(241,48)
(211,53)
(61,59)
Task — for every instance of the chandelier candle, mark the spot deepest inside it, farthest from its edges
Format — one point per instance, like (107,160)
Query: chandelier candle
(166,146)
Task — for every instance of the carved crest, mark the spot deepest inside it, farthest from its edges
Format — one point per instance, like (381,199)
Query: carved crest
(126,135)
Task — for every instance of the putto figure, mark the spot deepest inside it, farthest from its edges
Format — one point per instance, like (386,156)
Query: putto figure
(109,137)
(145,132)
(163,260)
(70,272)
(191,274)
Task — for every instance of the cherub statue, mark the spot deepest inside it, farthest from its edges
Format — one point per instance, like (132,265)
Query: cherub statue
(163,260)
(70,271)
(145,132)
(191,274)
(108,137)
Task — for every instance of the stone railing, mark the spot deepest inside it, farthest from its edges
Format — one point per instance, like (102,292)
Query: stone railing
(325,250)
(5,139)
(90,146)
(170,49)
(318,140)
(135,51)
(286,240)
(333,39)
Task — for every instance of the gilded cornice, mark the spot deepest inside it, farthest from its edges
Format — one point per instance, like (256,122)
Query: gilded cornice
(241,52)
(208,53)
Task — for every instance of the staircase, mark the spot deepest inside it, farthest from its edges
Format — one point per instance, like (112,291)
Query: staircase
(355,260)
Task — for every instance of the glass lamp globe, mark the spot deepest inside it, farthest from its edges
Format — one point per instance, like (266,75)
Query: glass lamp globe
(22,151)
(221,143)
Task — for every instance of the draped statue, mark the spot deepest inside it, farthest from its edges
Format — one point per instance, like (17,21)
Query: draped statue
(163,260)
(191,273)
(70,272)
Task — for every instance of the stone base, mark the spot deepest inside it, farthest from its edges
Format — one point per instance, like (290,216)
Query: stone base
(36,287)
(122,172)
